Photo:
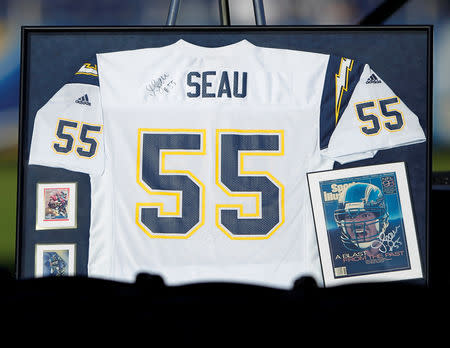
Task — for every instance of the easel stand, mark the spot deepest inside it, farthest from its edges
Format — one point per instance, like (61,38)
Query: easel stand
(224,12)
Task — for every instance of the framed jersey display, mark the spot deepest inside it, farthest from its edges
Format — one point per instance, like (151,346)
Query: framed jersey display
(365,224)
(190,146)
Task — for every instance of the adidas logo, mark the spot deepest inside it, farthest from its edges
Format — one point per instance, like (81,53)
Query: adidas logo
(373,79)
(83,100)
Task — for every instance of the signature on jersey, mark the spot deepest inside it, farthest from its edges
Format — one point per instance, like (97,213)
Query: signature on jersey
(161,85)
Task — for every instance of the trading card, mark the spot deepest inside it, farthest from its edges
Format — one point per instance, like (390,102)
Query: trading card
(55,260)
(56,206)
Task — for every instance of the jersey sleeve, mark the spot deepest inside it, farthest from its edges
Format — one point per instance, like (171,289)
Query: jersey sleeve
(68,129)
(361,115)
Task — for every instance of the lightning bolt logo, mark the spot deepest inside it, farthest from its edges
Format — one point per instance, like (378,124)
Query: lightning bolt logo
(341,81)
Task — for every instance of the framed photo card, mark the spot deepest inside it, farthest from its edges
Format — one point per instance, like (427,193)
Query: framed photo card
(56,206)
(55,260)
(364,224)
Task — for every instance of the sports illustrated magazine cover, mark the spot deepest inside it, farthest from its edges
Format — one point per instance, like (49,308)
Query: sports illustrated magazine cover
(363,223)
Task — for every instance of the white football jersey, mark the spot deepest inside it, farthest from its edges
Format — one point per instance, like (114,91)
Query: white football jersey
(198,156)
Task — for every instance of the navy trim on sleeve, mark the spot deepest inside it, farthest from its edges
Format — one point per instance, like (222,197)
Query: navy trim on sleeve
(341,78)
(88,73)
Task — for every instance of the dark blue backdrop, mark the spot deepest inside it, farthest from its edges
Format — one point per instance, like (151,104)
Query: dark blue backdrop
(50,56)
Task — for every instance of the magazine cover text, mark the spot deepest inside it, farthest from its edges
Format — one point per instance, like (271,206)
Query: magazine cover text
(364,223)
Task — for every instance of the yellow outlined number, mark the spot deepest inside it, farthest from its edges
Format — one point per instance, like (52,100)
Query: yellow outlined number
(395,117)
(235,145)
(154,145)
(395,120)
(88,145)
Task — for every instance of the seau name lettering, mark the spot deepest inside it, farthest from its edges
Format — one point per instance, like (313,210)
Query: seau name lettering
(230,84)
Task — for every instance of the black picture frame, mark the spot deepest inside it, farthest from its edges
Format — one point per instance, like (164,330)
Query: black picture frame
(401,55)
